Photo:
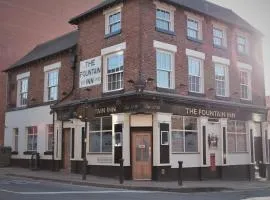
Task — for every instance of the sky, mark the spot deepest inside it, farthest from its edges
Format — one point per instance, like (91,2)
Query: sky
(256,12)
(25,23)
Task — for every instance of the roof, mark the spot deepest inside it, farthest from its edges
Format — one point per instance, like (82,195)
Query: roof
(51,47)
(202,6)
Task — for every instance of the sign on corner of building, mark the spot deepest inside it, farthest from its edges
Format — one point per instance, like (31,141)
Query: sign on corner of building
(90,72)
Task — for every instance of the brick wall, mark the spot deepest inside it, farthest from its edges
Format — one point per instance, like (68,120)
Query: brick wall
(36,81)
(2,106)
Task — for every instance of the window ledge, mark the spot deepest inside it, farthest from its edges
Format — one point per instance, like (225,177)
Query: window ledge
(246,101)
(223,98)
(48,153)
(29,152)
(166,90)
(165,31)
(187,153)
(219,47)
(196,94)
(194,40)
(99,153)
(14,153)
(120,91)
(113,34)
(244,152)
(242,54)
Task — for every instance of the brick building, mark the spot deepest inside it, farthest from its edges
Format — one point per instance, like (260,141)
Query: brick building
(152,82)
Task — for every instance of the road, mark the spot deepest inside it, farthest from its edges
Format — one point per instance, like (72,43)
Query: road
(26,189)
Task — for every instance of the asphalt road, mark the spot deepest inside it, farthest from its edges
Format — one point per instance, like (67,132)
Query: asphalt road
(26,189)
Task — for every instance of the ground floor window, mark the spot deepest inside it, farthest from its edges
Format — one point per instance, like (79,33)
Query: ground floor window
(32,138)
(184,134)
(50,137)
(16,139)
(100,135)
(237,136)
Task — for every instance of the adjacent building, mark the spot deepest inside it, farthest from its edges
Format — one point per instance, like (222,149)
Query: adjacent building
(152,82)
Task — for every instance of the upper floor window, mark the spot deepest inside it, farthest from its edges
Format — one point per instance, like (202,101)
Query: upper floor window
(164,17)
(195,72)
(113,67)
(22,89)
(221,77)
(194,27)
(244,84)
(113,20)
(219,36)
(52,85)
(242,45)
(164,69)
(51,82)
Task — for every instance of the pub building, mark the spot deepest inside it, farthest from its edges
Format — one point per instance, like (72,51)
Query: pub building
(154,83)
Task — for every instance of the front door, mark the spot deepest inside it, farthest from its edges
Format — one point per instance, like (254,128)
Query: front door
(141,156)
(215,143)
(66,149)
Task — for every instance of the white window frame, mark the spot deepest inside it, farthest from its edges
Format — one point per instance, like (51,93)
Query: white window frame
(171,84)
(167,48)
(199,20)
(243,67)
(27,134)
(246,46)
(109,12)
(47,137)
(184,132)
(166,8)
(225,63)
(15,139)
(20,78)
(161,136)
(223,29)
(47,69)
(235,133)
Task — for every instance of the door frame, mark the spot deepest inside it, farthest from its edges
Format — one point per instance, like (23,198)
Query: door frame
(64,136)
(148,130)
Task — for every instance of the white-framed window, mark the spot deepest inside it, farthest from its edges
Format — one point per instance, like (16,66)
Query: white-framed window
(165,62)
(52,85)
(245,81)
(184,134)
(115,71)
(16,139)
(50,137)
(219,35)
(193,28)
(164,16)
(242,44)
(221,79)
(237,136)
(195,72)
(23,91)
(113,20)
(164,138)
(100,135)
(32,138)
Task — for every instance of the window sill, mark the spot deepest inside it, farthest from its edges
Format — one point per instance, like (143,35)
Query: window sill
(195,153)
(244,152)
(165,31)
(29,152)
(246,101)
(196,94)
(14,153)
(167,90)
(113,34)
(223,98)
(108,93)
(99,153)
(219,47)
(195,40)
(46,153)
(242,54)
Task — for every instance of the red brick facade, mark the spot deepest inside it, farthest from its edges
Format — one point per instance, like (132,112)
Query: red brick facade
(2,106)
(138,31)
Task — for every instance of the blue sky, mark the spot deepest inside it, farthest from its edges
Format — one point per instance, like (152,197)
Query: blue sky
(256,12)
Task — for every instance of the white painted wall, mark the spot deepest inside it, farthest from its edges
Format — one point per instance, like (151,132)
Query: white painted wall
(40,117)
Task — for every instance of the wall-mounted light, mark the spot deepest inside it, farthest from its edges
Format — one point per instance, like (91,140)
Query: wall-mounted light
(140,84)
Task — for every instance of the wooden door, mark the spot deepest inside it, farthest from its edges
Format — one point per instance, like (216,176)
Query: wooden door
(66,149)
(141,156)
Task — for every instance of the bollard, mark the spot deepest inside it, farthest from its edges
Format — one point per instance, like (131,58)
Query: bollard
(180,173)
(121,175)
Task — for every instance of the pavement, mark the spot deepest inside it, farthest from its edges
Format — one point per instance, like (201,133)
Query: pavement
(187,187)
